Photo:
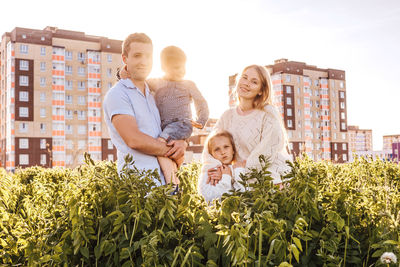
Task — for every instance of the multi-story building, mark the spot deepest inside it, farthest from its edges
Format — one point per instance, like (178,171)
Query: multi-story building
(359,139)
(388,140)
(312,102)
(396,152)
(52,83)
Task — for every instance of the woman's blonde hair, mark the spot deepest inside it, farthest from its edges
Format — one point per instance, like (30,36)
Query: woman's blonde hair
(260,101)
(221,134)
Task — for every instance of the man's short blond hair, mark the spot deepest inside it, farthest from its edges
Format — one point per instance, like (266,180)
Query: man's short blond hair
(137,37)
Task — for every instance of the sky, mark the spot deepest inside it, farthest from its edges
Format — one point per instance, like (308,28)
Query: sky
(221,37)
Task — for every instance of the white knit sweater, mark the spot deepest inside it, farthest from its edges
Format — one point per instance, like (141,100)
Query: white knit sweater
(260,132)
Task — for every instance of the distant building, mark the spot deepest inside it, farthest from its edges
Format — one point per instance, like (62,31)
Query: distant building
(312,102)
(396,152)
(383,154)
(197,141)
(52,84)
(359,139)
(388,141)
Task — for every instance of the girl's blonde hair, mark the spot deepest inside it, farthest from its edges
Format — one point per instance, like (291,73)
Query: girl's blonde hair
(260,101)
(221,134)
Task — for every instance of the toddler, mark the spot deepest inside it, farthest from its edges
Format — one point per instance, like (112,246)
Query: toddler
(173,97)
(221,147)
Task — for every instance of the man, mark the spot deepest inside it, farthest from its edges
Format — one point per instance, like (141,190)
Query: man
(131,114)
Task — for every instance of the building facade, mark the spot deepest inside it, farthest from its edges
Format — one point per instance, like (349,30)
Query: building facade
(312,102)
(388,141)
(359,139)
(52,84)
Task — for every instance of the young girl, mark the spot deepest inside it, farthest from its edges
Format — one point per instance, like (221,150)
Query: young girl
(173,97)
(221,147)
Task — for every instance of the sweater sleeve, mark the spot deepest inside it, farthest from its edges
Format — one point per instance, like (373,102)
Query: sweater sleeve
(200,104)
(272,145)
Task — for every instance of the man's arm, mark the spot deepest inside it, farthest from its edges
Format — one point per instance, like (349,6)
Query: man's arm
(127,128)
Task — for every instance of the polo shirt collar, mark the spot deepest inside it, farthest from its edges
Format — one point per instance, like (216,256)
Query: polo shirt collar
(129,84)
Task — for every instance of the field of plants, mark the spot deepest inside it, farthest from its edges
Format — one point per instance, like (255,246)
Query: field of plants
(326,215)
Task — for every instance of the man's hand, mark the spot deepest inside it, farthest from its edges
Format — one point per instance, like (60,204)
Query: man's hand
(214,175)
(226,170)
(177,150)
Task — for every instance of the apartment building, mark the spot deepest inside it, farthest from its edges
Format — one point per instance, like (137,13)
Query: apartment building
(52,84)
(389,140)
(359,139)
(312,102)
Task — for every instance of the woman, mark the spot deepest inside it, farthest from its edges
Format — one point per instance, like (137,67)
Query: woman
(256,127)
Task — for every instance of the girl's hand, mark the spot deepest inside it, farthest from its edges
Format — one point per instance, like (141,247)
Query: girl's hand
(239,164)
(226,170)
(123,73)
(214,175)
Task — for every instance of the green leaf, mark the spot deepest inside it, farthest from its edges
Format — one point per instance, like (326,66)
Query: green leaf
(298,243)
(85,252)
(295,251)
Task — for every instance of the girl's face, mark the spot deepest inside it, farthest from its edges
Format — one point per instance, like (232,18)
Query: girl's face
(249,85)
(222,150)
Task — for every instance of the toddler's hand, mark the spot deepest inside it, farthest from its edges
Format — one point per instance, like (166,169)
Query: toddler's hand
(196,124)
(123,73)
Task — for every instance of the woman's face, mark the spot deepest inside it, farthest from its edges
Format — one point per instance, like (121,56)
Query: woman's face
(249,85)
(222,150)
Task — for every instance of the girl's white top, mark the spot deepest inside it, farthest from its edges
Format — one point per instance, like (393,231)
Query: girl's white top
(260,132)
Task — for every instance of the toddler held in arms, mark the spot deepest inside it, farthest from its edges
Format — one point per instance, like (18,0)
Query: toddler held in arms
(173,96)
(221,147)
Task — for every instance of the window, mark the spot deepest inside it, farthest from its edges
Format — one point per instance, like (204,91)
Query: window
(68,114)
(342,105)
(42,97)
(109,72)
(82,129)
(23,112)
(68,55)
(43,112)
(316,82)
(342,115)
(42,128)
(23,159)
(81,85)
(345,157)
(109,144)
(298,101)
(81,56)
(43,143)
(289,123)
(42,81)
(343,126)
(81,71)
(344,135)
(109,57)
(42,51)
(23,49)
(69,144)
(335,146)
(43,159)
(289,112)
(23,96)
(69,129)
(68,99)
(110,157)
(23,143)
(68,85)
(288,100)
(81,100)
(68,69)
(288,78)
(23,80)
(23,65)
(341,84)
(81,115)
(341,93)
(23,127)
(288,89)
(344,146)
(42,66)
(336,157)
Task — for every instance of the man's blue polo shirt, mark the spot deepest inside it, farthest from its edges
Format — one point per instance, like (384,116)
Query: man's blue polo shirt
(126,98)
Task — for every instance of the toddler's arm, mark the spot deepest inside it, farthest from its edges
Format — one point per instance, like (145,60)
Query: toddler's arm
(200,104)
